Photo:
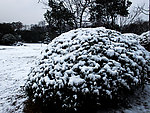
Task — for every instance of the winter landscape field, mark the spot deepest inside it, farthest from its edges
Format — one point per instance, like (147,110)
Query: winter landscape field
(15,65)
(74,56)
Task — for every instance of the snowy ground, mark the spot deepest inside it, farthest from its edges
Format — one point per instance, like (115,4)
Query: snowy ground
(15,64)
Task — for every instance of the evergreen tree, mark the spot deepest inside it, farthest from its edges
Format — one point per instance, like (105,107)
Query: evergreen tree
(106,11)
(59,18)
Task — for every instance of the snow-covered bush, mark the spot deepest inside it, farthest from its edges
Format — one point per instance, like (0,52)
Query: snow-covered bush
(144,40)
(8,39)
(87,67)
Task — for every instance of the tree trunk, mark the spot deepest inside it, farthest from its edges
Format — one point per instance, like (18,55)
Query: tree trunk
(81,16)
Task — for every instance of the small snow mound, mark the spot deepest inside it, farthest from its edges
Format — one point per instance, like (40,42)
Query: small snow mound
(88,65)
(145,38)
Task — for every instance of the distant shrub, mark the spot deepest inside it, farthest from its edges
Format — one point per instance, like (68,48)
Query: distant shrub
(86,68)
(8,39)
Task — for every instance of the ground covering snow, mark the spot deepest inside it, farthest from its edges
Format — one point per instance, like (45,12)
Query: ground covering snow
(99,62)
(15,64)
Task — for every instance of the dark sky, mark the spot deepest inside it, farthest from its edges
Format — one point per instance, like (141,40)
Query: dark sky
(31,12)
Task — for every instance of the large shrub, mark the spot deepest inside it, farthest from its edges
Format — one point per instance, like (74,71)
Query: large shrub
(87,68)
(8,39)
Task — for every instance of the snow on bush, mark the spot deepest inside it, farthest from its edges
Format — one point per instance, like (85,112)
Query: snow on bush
(144,38)
(86,67)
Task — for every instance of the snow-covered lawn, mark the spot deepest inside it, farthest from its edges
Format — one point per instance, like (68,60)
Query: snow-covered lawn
(15,64)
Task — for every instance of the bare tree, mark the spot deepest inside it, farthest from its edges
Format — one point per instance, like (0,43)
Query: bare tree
(78,7)
(134,15)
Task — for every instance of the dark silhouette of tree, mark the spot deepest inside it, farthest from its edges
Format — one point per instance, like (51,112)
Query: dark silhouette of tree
(59,18)
(79,8)
(134,15)
(138,27)
(17,26)
(6,28)
(8,39)
(35,34)
(105,12)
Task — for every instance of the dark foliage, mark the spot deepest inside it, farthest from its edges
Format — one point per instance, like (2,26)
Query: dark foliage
(105,11)
(8,39)
(59,19)
(137,27)
(34,35)
(10,32)
(6,28)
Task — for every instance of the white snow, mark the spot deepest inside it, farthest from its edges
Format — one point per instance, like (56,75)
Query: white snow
(15,64)
(144,38)
(75,80)
(110,52)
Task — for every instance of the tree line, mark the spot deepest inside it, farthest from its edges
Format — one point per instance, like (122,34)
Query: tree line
(64,15)
(11,33)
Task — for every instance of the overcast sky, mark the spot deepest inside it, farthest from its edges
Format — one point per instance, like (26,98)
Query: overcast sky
(31,12)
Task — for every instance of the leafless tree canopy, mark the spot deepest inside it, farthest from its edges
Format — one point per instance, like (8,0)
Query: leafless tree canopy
(134,15)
